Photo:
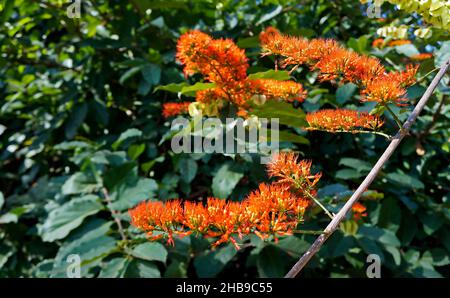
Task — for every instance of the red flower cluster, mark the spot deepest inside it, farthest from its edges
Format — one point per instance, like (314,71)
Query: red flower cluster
(342,120)
(334,62)
(221,62)
(271,210)
(175,108)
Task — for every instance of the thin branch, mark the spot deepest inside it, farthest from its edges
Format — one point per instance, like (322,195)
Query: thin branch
(420,80)
(355,132)
(114,214)
(339,217)
(320,204)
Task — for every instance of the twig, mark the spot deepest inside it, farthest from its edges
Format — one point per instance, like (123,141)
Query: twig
(320,204)
(114,214)
(420,80)
(108,200)
(354,132)
(339,217)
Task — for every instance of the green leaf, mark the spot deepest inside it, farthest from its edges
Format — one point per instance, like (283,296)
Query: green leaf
(114,268)
(80,183)
(188,169)
(151,73)
(150,251)
(380,235)
(370,247)
(175,88)
(90,243)
(135,150)
(359,45)
(2,200)
(129,73)
(270,15)
(128,194)
(390,215)
(293,246)
(5,253)
(345,92)
(357,164)
(431,222)
(405,180)
(282,111)
(272,262)
(142,268)
(7,10)
(76,118)
(225,181)
(280,75)
(285,136)
(348,174)
(192,89)
(176,269)
(407,50)
(62,220)
(395,253)
(443,54)
(131,133)
(14,214)
(210,263)
(248,42)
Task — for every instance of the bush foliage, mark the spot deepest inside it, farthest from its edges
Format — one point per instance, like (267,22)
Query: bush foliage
(83,139)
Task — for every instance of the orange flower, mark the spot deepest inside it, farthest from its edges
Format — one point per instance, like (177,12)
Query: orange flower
(421,56)
(288,169)
(175,108)
(378,43)
(359,211)
(399,42)
(342,120)
(384,90)
(219,60)
(189,47)
(334,62)
(275,89)
(271,210)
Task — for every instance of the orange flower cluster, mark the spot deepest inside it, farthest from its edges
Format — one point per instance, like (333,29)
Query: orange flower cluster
(422,56)
(287,168)
(398,42)
(333,62)
(288,90)
(221,62)
(342,120)
(359,211)
(272,210)
(175,108)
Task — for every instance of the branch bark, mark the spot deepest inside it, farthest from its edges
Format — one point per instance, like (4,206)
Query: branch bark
(334,224)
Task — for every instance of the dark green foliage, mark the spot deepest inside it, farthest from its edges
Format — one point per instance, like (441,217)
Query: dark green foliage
(82,140)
